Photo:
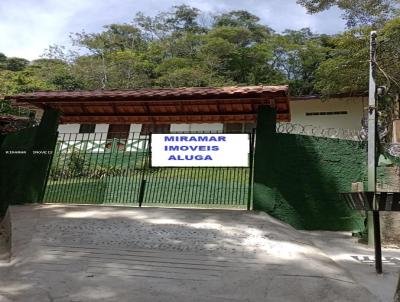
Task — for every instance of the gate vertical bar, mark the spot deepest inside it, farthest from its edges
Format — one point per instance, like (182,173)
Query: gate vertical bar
(75,164)
(49,169)
(132,170)
(54,191)
(65,180)
(143,179)
(97,150)
(126,170)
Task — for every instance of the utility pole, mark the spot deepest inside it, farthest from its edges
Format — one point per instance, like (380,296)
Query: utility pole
(374,235)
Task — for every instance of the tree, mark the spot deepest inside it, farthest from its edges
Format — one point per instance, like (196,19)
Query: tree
(13,64)
(129,69)
(357,12)
(22,81)
(182,18)
(173,49)
(246,20)
(3,61)
(298,54)
(57,73)
(115,37)
(185,77)
(346,69)
(232,53)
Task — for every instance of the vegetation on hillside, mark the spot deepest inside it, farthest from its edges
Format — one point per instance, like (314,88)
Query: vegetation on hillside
(186,47)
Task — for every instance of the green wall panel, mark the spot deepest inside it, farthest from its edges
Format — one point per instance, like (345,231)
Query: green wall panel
(23,176)
(298,178)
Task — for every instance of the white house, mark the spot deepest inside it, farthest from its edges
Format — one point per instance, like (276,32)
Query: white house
(337,112)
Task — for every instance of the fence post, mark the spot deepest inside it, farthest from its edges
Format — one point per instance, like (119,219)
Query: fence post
(141,192)
(251,150)
(143,179)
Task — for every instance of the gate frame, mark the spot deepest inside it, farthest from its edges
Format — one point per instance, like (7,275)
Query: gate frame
(146,160)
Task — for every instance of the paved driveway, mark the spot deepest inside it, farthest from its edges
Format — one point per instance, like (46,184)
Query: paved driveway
(83,253)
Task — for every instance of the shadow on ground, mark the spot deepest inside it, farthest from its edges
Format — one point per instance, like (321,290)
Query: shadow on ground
(89,253)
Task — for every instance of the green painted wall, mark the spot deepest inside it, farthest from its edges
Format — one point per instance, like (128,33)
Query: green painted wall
(23,176)
(298,178)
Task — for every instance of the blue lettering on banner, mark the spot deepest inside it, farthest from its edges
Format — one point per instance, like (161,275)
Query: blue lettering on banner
(191,148)
(188,148)
(190,157)
(219,138)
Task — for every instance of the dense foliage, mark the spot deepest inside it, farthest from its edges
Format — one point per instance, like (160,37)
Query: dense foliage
(357,12)
(182,47)
(185,47)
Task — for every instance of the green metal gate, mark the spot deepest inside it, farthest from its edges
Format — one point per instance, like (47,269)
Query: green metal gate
(92,169)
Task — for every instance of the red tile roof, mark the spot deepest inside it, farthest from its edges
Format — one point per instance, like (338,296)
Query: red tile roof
(156,93)
(166,105)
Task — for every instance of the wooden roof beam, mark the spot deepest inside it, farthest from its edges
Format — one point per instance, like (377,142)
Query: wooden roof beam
(158,119)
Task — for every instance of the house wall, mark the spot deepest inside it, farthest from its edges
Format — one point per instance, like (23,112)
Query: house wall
(71,132)
(351,120)
(74,128)
(101,128)
(134,131)
(66,129)
(298,109)
(197,127)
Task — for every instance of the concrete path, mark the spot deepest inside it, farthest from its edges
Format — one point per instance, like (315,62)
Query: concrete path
(359,260)
(83,253)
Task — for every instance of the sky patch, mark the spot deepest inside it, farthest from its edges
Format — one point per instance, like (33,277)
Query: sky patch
(28,27)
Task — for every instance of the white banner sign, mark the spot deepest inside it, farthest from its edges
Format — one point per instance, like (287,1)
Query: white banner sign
(200,150)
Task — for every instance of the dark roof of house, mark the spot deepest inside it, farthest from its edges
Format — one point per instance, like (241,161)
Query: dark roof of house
(164,105)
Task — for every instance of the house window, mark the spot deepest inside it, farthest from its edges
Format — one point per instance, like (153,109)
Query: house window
(155,128)
(327,113)
(239,127)
(120,131)
(87,128)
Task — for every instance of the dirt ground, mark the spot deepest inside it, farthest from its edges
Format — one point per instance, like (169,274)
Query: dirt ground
(4,244)
(92,253)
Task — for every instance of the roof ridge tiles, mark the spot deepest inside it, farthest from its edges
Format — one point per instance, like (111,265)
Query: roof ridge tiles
(152,92)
